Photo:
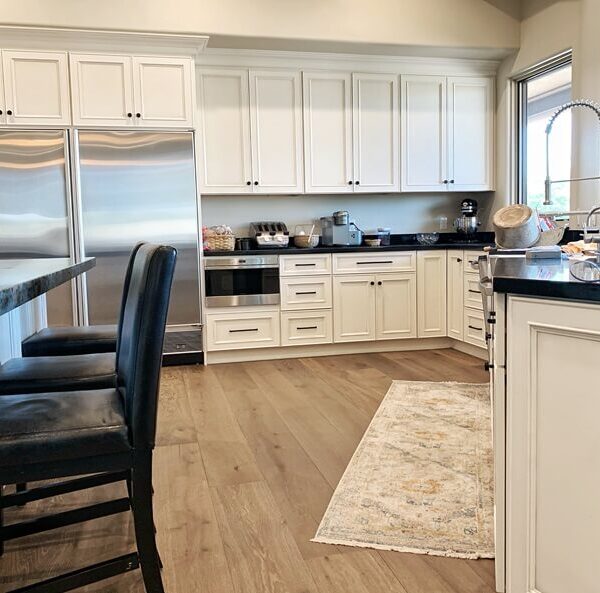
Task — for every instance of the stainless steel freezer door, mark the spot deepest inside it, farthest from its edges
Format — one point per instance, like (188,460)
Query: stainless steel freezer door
(34,205)
(137,186)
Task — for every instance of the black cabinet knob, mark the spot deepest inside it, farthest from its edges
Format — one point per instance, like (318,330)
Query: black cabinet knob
(9,112)
(248,182)
(138,115)
(0,111)
(357,182)
(256,183)
(349,182)
(379,283)
(451,180)
(372,283)
(459,260)
(445,181)
(130,115)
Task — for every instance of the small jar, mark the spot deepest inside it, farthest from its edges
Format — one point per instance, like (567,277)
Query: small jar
(385,235)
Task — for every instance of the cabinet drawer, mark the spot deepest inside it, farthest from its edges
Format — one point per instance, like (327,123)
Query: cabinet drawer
(306,293)
(304,265)
(471,258)
(474,328)
(369,263)
(306,327)
(242,330)
(472,292)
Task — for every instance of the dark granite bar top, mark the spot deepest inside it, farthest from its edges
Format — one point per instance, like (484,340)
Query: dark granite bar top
(540,278)
(22,280)
(398,243)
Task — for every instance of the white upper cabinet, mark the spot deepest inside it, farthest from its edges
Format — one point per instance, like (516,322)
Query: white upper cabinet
(447,133)
(102,90)
(112,90)
(224,156)
(36,88)
(328,132)
(423,133)
(375,132)
(163,91)
(470,133)
(276,131)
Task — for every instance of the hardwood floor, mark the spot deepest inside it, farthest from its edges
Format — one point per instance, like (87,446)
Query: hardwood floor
(248,457)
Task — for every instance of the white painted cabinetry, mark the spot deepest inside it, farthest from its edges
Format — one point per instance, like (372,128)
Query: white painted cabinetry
(552,445)
(431,293)
(455,304)
(396,306)
(241,330)
(354,302)
(36,88)
(250,131)
(447,133)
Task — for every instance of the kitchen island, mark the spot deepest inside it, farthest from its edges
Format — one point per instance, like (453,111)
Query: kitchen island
(545,353)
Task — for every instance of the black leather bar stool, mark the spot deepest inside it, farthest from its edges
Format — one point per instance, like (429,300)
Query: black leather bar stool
(105,435)
(69,372)
(91,339)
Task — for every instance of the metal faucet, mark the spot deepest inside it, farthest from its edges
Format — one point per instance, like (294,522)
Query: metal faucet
(570,105)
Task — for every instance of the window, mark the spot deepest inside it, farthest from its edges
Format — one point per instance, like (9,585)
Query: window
(540,94)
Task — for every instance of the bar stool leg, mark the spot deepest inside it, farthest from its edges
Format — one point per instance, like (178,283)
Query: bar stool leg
(1,521)
(143,520)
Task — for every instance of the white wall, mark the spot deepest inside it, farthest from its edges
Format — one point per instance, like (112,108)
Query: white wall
(453,23)
(402,213)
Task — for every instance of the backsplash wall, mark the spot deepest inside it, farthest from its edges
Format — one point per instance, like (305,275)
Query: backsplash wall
(402,213)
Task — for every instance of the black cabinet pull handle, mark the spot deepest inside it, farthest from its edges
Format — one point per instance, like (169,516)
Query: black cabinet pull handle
(129,114)
(372,263)
(9,112)
(308,327)
(235,331)
(256,183)
(475,328)
(248,182)
(474,291)
(304,265)
(459,260)
(138,115)
(306,292)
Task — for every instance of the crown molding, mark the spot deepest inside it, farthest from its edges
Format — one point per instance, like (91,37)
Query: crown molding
(105,41)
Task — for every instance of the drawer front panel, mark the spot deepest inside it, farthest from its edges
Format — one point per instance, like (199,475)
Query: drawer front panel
(474,330)
(244,330)
(472,292)
(471,261)
(369,263)
(306,327)
(306,293)
(304,265)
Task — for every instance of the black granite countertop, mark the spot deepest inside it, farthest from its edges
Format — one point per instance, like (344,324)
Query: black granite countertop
(398,243)
(23,280)
(540,278)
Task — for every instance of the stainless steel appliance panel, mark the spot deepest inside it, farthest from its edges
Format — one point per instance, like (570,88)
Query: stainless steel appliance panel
(137,186)
(34,205)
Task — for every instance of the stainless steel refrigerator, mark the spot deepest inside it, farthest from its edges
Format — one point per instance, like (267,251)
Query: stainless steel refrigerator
(138,186)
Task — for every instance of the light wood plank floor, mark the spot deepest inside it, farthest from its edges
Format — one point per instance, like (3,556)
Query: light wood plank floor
(249,455)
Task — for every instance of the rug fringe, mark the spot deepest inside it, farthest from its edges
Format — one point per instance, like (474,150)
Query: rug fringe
(405,549)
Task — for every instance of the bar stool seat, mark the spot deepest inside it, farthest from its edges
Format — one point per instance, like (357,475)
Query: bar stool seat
(65,341)
(58,373)
(65,426)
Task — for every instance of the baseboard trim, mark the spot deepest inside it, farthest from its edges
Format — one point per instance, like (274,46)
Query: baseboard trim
(470,349)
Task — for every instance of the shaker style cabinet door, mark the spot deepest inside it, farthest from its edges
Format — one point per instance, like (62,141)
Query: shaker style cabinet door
(470,133)
(376,132)
(431,293)
(396,306)
(328,132)
(163,92)
(36,88)
(423,133)
(2,104)
(455,294)
(276,131)
(102,90)
(224,131)
(354,308)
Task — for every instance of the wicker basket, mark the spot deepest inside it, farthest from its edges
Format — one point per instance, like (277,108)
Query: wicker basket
(216,242)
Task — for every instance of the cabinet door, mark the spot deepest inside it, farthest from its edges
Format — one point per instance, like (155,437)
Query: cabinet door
(376,132)
(102,90)
(224,110)
(423,133)
(431,293)
(276,131)
(455,294)
(354,308)
(2,104)
(327,132)
(470,133)
(36,87)
(163,92)
(396,306)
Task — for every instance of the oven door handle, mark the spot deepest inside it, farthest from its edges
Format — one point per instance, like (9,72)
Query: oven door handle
(242,267)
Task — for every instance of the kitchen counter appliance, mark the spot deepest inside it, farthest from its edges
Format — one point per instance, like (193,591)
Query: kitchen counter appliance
(338,230)
(244,280)
(468,222)
(269,234)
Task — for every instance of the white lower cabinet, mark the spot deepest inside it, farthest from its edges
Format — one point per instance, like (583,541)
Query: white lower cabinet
(455,290)
(472,292)
(396,306)
(431,293)
(306,327)
(474,327)
(354,301)
(231,331)
(305,292)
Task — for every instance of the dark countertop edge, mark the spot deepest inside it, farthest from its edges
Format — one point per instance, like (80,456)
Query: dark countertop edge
(19,294)
(350,249)
(573,290)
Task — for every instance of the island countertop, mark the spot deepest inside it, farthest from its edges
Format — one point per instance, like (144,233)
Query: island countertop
(540,278)
(22,280)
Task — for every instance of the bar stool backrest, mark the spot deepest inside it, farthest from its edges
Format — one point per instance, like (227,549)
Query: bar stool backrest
(142,333)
